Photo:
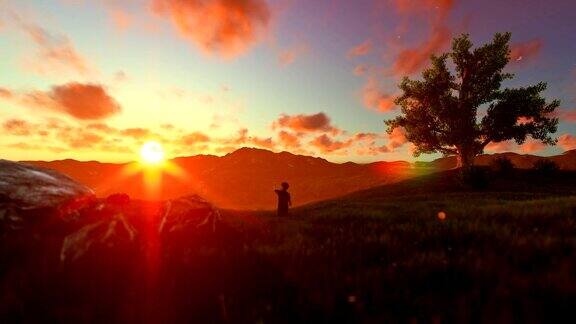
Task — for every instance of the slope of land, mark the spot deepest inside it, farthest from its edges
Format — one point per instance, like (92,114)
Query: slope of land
(245,178)
(429,250)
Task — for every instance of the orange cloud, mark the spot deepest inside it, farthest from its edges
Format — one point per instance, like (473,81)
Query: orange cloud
(397,138)
(195,138)
(499,146)
(289,140)
(17,127)
(373,150)
(5,93)
(412,60)
(243,138)
(83,140)
(375,99)
(522,52)
(102,128)
(81,101)
(137,133)
(532,146)
(365,136)
(84,101)
(567,142)
(226,28)
(360,50)
(319,122)
(327,145)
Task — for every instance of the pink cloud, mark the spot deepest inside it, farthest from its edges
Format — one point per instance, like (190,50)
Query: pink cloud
(504,146)
(567,115)
(521,52)
(412,60)
(439,8)
(55,51)
(289,56)
(567,142)
(121,19)
(360,70)
(225,28)
(532,146)
(374,98)
(360,50)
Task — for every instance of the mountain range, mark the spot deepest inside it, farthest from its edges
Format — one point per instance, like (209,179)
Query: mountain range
(246,178)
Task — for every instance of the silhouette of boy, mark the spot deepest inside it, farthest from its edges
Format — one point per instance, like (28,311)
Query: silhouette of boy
(283,199)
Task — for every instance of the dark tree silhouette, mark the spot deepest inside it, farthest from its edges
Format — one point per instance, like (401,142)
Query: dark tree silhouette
(440,112)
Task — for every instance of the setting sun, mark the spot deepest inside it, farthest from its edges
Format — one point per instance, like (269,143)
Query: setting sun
(152,152)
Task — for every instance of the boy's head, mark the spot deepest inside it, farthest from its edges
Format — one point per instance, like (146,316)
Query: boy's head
(285,185)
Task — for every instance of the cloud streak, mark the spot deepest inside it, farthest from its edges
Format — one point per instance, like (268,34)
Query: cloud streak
(526,51)
(361,49)
(55,52)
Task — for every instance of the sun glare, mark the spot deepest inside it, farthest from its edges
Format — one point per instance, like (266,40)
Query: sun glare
(151,152)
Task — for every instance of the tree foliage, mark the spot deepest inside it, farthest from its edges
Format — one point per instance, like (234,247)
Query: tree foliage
(440,112)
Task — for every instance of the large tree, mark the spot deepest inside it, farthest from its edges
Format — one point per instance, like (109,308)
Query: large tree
(440,113)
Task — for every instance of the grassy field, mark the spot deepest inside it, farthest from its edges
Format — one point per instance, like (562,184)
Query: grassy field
(428,250)
(503,254)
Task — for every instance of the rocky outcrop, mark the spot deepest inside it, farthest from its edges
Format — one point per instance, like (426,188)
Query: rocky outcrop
(63,247)
(31,196)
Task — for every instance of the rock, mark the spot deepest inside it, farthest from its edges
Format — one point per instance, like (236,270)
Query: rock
(70,257)
(118,223)
(30,194)
(32,187)
(189,212)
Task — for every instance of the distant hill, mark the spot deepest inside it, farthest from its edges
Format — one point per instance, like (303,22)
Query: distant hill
(245,179)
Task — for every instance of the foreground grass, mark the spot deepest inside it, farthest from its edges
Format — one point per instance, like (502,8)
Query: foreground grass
(506,253)
(495,257)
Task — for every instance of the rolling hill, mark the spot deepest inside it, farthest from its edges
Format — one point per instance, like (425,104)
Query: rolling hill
(245,179)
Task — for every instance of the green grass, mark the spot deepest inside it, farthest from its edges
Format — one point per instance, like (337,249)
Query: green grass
(381,255)
(506,253)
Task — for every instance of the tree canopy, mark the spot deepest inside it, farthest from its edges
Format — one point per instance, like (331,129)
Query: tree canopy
(441,112)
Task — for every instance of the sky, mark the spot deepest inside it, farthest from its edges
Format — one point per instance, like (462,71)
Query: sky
(94,80)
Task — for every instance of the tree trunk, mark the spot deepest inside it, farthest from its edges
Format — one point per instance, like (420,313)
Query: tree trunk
(465,158)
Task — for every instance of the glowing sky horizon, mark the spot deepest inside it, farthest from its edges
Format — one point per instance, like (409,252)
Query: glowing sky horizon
(94,80)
